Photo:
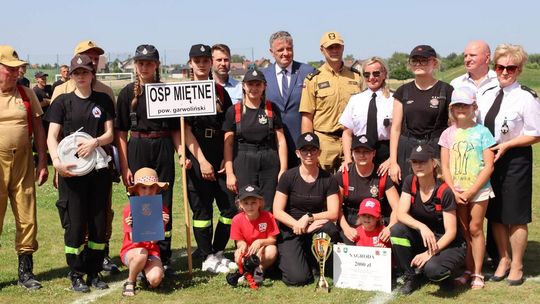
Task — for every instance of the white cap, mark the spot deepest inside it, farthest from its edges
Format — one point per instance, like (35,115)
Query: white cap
(463,95)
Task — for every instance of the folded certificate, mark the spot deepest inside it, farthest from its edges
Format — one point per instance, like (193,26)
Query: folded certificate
(146,212)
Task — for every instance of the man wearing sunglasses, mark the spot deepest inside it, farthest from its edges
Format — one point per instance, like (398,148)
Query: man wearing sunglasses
(479,77)
(324,97)
(284,88)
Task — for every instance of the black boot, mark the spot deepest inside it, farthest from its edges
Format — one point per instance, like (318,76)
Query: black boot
(26,276)
(108,264)
(96,281)
(410,284)
(77,282)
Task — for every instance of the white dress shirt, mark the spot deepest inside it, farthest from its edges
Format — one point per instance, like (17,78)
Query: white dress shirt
(279,75)
(355,115)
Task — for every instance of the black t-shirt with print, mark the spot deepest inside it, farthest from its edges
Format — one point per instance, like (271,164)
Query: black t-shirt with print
(254,123)
(425,113)
(361,188)
(304,197)
(425,211)
(123,121)
(73,112)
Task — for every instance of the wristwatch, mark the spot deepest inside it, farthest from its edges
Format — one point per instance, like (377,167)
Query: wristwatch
(310,216)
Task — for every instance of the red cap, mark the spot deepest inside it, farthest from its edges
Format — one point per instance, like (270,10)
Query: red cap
(370,206)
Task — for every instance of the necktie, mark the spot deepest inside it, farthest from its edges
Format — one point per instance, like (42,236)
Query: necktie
(371,132)
(284,83)
(489,120)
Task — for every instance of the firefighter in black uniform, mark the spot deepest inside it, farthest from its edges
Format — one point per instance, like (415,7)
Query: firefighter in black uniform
(206,180)
(152,142)
(83,200)
(426,240)
(361,181)
(255,146)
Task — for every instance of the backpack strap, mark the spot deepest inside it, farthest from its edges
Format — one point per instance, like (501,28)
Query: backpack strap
(382,184)
(270,115)
(345,177)
(238,119)
(438,197)
(413,188)
(26,103)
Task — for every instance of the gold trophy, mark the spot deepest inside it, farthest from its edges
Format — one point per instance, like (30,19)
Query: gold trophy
(321,248)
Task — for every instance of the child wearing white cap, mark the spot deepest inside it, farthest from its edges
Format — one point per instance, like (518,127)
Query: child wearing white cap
(467,164)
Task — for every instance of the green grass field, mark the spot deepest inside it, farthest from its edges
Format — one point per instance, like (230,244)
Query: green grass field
(51,269)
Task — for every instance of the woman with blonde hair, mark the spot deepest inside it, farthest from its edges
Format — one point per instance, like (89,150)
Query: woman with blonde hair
(511,113)
(370,113)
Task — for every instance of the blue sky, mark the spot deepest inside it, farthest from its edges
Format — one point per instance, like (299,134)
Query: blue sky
(44,29)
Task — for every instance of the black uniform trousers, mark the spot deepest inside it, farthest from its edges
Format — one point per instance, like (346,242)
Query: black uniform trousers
(296,261)
(407,243)
(201,194)
(158,154)
(82,206)
(258,165)
(405,146)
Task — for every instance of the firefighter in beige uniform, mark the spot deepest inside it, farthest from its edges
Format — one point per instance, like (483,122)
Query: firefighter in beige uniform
(324,97)
(20,119)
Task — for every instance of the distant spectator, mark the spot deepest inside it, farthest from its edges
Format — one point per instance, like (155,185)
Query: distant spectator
(64,76)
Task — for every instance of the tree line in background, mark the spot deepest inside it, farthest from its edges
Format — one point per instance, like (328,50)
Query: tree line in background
(397,63)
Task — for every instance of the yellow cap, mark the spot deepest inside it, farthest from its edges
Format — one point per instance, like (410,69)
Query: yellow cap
(9,57)
(86,45)
(330,38)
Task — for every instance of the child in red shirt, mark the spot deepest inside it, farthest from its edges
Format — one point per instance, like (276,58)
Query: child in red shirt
(142,256)
(369,225)
(254,230)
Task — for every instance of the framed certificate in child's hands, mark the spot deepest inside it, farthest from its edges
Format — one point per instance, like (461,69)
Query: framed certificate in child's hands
(146,212)
(364,268)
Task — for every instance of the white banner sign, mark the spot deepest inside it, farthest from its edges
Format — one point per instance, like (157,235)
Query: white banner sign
(176,99)
(364,268)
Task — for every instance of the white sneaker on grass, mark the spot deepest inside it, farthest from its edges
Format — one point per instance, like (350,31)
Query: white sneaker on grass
(226,262)
(212,264)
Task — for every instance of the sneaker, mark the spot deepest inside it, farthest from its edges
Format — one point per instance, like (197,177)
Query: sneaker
(110,266)
(78,284)
(411,283)
(212,264)
(226,262)
(258,276)
(96,281)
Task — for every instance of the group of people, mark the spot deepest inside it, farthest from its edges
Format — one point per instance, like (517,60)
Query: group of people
(291,151)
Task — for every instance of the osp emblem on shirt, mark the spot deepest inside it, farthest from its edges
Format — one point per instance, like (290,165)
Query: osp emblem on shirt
(96,112)
(263,119)
(262,227)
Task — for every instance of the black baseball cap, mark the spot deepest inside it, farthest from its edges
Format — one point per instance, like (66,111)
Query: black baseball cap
(146,52)
(422,153)
(362,141)
(40,74)
(249,191)
(308,139)
(423,51)
(254,74)
(81,62)
(200,50)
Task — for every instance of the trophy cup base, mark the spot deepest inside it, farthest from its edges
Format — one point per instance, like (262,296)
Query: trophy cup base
(322,286)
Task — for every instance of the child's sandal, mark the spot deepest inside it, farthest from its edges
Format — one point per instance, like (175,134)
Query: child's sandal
(477,281)
(129,289)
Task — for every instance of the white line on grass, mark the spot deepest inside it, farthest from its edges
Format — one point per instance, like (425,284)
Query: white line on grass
(382,298)
(94,295)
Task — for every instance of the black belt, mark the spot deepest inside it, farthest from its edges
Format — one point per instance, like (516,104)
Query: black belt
(253,147)
(337,133)
(151,134)
(208,132)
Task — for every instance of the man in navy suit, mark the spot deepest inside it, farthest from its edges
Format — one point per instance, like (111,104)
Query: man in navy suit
(285,79)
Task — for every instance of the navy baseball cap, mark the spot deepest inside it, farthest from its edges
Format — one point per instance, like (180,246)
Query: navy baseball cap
(362,141)
(308,139)
(422,153)
(146,52)
(200,50)
(423,51)
(249,191)
(254,74)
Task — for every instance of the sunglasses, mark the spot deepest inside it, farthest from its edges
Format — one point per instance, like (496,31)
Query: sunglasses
(419,61)
(374,73)
(310,151)
(510,69)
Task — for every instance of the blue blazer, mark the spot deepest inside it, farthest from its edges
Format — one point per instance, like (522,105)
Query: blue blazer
(289,105)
